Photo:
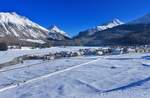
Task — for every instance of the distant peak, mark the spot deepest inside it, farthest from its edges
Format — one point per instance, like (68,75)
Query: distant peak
(114,21)
(9,14)
(147,15)
(117,21)
(142,20)
(56,29)
(110,24)
(13,17)
(13,13)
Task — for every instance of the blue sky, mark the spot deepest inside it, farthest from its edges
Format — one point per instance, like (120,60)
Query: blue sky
(76,15)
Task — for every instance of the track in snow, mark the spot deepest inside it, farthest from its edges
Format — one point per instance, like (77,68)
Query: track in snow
(130,85)
(9,69)
(45,76)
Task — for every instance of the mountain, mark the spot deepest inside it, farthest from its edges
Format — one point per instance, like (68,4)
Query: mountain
(14,26)
(127,34)
(16,29)
(57,33)
(20,30)
(55,29)
(108,25)
(136,32)
(111,24)
(142,20)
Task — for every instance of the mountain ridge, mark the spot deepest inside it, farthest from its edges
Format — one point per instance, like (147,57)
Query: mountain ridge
(132,33)
(20,28)
(91,31)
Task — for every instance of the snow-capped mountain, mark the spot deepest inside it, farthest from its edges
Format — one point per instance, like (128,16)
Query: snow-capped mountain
(20,28)
(55,29)
(98,34)
(57,33)
(12,24)
(111,24)
(136,32)
(142,20)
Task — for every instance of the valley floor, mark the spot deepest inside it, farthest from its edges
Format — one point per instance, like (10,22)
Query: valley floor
(115,76)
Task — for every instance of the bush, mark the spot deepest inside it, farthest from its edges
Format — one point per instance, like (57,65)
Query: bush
(3,47)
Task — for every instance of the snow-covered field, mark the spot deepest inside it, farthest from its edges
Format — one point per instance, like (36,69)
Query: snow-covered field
(6,56)
(114,76)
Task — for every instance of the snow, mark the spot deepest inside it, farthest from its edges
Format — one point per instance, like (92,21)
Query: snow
(34,41)
(16,19)
(21,27)
(12,53)
(55,29)
(111,24)
(110,76)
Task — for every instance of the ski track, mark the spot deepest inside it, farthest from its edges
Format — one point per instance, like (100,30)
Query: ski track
(130,85)
(46,76)
(9,69)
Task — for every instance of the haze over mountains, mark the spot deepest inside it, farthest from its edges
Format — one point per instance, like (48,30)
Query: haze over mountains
(16,29)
